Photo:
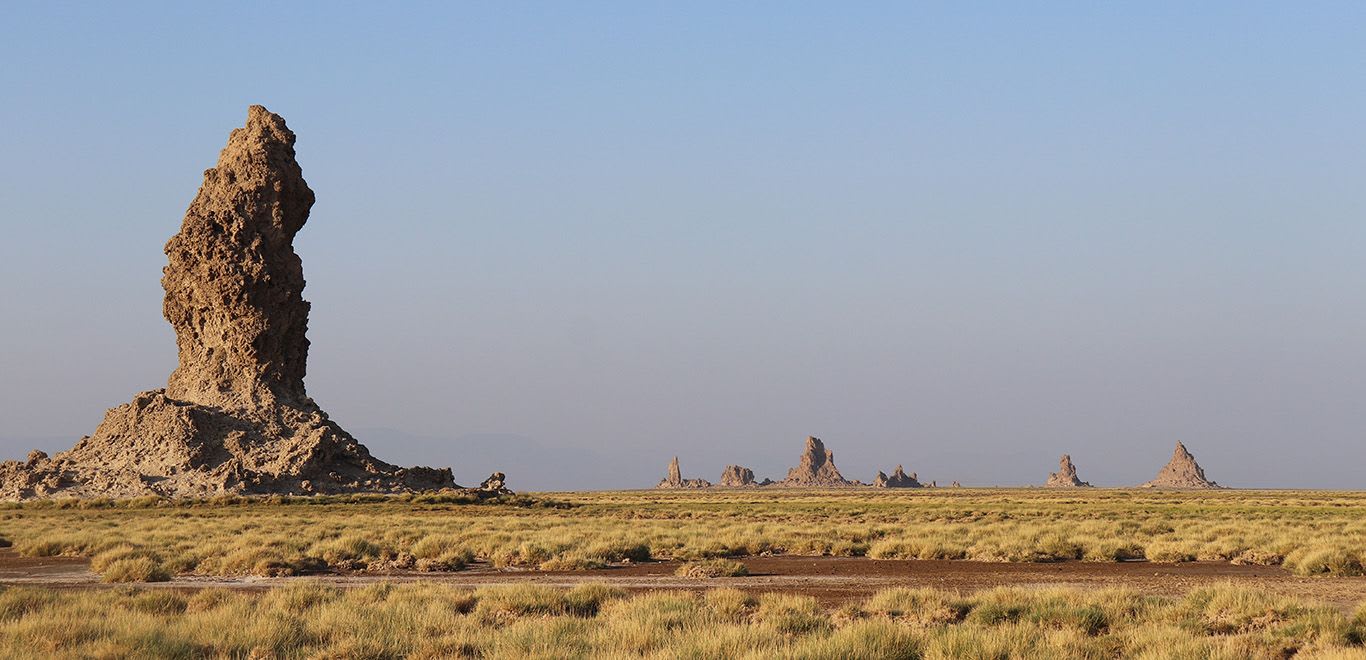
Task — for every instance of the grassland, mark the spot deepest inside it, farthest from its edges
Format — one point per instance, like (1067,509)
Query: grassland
(1309,533)
(427,621)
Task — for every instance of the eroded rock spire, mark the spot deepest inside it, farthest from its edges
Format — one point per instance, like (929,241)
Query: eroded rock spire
(816,468)
(675,478)
(899,479)
(1066,476)
(737,476)
(234,285)
(234,417)
(1181,472)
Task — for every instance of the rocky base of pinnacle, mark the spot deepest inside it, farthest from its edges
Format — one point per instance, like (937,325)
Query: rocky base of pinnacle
(1066,476)
(816,469)
(684,484)
(738,476)
(899,479)
(1182,472)
(158,446)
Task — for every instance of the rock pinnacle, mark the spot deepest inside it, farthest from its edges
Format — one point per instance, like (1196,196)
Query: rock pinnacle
(1181,472)
(234,416)
(816,468)
(1066,476)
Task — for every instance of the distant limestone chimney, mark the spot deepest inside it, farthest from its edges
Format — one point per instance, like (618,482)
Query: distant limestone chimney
(816,469)
(735,476)
(234,417)
(1181,472)
(899,479)
(1066,476)
(676,480)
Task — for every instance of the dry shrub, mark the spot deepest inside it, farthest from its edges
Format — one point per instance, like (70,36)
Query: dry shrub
(1169,552)
(730,605)
(925,607)
(209,599)
(348,552)
(102,561)
(792,615)
(17,603)
(864,639)
(137,569)
(712,568)
(505,602)
(1324,561)
(160,602)
(1229,609)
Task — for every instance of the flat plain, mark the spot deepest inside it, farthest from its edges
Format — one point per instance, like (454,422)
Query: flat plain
(706,573)
(1305,532)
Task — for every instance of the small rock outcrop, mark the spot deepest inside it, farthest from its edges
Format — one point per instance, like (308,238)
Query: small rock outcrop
(735,476)
(1066,476)
(234,416)
(1181,472)
(676,480)
(496,483)
(816,468)
(899,479)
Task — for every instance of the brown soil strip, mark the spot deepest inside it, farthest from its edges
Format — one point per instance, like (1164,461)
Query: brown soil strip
(17,570)
(831,580)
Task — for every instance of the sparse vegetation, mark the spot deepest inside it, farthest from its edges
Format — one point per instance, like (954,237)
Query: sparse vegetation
(140,569)
(712,568)
(428,621)
(1310,533)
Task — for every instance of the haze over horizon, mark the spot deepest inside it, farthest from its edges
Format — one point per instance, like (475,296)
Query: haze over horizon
(571,242)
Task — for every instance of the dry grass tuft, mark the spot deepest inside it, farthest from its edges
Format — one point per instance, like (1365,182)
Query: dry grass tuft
(1308,532)
(136,569)
(430,621)
(712,568)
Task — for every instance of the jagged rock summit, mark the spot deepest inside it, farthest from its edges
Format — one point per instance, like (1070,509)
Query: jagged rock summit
(1181,472)
(676,480)
(234,416)
(1066,476)
(816,469)
(736,476)
(899,479)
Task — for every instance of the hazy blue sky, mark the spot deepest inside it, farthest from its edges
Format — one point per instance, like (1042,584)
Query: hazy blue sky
(570,240)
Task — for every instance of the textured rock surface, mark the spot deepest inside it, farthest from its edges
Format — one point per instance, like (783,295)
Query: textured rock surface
(899,479)
(495,483)
(234,417)
(1066,476)
(676,480)
(817,468)
(234,286)
(735,476)
(1181,472)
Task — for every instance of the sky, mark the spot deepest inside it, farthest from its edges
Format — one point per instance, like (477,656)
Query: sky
(570,241)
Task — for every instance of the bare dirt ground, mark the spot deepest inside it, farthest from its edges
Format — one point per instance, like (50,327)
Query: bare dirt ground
(16,570)
(831,580)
